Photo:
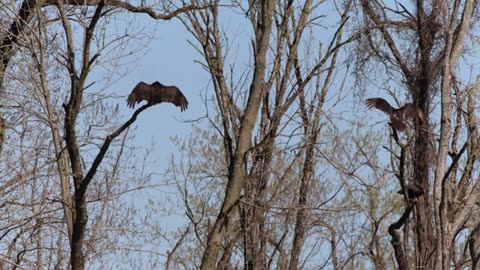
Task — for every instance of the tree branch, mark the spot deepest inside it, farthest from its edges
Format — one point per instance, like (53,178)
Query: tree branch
(11,37)
(388,38)
(135,9)
(106,144)
(396,240)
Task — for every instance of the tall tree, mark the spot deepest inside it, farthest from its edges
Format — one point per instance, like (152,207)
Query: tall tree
(57,128)
(419,46)
(287,80)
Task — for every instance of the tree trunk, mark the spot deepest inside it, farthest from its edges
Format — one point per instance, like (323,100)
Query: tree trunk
(237,174)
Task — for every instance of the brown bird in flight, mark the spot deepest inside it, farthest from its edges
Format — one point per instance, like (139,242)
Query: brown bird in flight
(157,93)
(397,116)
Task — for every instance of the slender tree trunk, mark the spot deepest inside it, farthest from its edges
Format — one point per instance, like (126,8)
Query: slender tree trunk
(302,220)
(61,156)
(455,41)
(72,109)
(237,175)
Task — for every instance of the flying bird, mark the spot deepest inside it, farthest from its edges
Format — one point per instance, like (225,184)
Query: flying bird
(397,116)
(157,93)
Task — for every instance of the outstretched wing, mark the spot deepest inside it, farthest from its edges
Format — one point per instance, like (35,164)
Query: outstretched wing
(157,93)
(380,104)
(412,111)
(139,93)
(180,100)
(397,116)
(170,94)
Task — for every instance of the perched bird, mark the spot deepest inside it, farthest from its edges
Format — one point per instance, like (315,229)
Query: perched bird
(397,116)
(413,191)
(157,93)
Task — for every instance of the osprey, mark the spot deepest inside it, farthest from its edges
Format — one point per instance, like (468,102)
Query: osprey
(397,116)
(157,93)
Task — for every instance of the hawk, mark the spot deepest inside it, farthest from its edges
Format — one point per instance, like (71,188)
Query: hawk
(397,116)
(157,93)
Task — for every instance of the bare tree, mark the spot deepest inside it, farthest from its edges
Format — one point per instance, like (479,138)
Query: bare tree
(269,124)
(61,172)
(419,46)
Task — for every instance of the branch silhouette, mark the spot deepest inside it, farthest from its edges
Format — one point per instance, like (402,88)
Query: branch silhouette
(106,144)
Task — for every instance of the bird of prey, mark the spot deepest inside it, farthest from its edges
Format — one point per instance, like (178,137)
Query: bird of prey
(157,93)
(397,116)
(413,191)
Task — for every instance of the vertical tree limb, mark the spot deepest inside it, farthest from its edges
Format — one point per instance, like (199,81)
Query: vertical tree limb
(238,174)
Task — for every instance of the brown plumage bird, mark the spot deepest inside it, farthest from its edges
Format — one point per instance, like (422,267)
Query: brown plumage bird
(157,93)
(397,116)
(413,191)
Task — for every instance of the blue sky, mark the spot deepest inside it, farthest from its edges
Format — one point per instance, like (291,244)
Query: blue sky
(169,60)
